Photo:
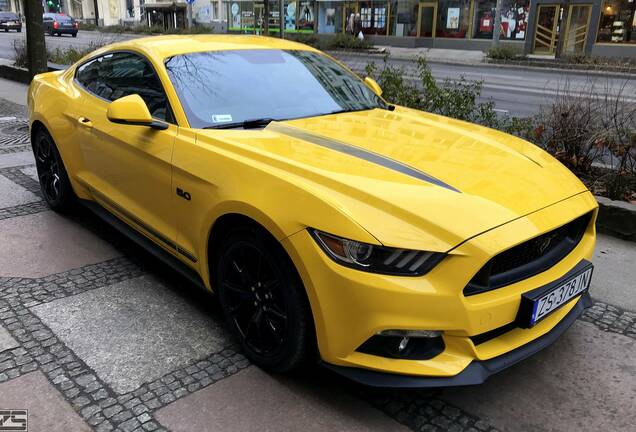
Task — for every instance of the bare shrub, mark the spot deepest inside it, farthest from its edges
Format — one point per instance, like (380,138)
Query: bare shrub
(592,130)
(21,58)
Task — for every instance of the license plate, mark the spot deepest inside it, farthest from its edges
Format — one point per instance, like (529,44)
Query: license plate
(540,303)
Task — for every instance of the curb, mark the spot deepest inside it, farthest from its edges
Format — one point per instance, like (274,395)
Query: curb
(22,75)
(617,218)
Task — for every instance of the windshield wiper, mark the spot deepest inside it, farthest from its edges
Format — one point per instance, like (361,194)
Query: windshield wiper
(245,124)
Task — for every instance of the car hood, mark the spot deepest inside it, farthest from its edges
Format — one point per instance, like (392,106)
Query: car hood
(413,179)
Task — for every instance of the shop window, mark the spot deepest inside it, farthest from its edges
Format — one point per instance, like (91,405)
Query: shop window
(514,19)
(618,22)
(453,18)
(241,15)
(330,17)
(405,13)
(484,21)
(365,15)
(373,17)
(130,8)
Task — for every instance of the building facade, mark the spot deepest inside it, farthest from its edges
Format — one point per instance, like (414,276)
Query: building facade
(599,27)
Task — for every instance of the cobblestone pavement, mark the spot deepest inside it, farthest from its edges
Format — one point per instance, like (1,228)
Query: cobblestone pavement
(110,340)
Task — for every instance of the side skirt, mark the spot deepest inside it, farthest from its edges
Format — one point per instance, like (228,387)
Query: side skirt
(145,243)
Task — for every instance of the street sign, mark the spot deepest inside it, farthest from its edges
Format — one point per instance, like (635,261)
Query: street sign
(189,2)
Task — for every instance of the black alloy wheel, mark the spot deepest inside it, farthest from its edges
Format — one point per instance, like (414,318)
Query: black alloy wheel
(263,299)
(54,183)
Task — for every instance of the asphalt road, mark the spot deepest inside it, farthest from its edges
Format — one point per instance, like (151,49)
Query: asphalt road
(518,92)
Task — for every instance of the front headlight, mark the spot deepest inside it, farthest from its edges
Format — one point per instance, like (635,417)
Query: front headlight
(376,259)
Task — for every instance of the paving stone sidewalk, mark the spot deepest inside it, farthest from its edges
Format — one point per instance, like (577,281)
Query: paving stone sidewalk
(96,335)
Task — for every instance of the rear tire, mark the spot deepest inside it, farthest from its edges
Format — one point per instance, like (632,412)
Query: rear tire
(263,299)
(54,182)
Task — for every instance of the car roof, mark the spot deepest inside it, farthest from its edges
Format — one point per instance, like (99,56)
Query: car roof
(170,45)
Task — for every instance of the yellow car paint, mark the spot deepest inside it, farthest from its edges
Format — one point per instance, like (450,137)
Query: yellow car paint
(499,191)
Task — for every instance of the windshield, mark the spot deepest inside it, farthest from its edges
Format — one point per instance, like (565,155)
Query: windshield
(226,87)
(8,16)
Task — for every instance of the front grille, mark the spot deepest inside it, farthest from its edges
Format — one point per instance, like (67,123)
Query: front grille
(529,258)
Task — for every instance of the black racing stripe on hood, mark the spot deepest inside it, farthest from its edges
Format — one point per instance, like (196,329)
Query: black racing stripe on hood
(358,152)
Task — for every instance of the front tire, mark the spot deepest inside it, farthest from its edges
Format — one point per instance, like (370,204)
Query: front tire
(54,182)
(263,299)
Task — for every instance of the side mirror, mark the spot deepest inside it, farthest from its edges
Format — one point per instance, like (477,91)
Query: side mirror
(373,85)
(132,110)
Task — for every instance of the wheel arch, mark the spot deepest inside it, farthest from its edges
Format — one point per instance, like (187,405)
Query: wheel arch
(233,214)
(264,224)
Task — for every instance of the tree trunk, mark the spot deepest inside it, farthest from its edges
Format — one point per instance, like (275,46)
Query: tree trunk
(496,31)
(96,12)
(266,17)
(36,48)
(281,18)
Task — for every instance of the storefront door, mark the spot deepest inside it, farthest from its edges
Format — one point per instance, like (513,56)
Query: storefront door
(426,20)
(576,29)
(546,33)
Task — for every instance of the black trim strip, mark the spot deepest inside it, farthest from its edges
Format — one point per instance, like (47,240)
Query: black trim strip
(358,152)
(476,372)
(144,242)
(167,242)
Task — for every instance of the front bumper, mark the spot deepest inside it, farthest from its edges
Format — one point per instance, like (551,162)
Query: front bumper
(10,26)
(477,371)
(350,306)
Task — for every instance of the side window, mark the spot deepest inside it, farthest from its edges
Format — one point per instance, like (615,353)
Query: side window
(116,75)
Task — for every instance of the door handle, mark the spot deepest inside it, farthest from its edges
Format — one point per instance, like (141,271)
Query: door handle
(85,122)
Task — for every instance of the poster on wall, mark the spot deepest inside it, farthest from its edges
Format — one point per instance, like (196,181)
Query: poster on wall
(452,20)
(306,16)
(236,17)
(290,16)
(330,15)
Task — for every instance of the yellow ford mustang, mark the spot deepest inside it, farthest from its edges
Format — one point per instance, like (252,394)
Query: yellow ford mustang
(401,248)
